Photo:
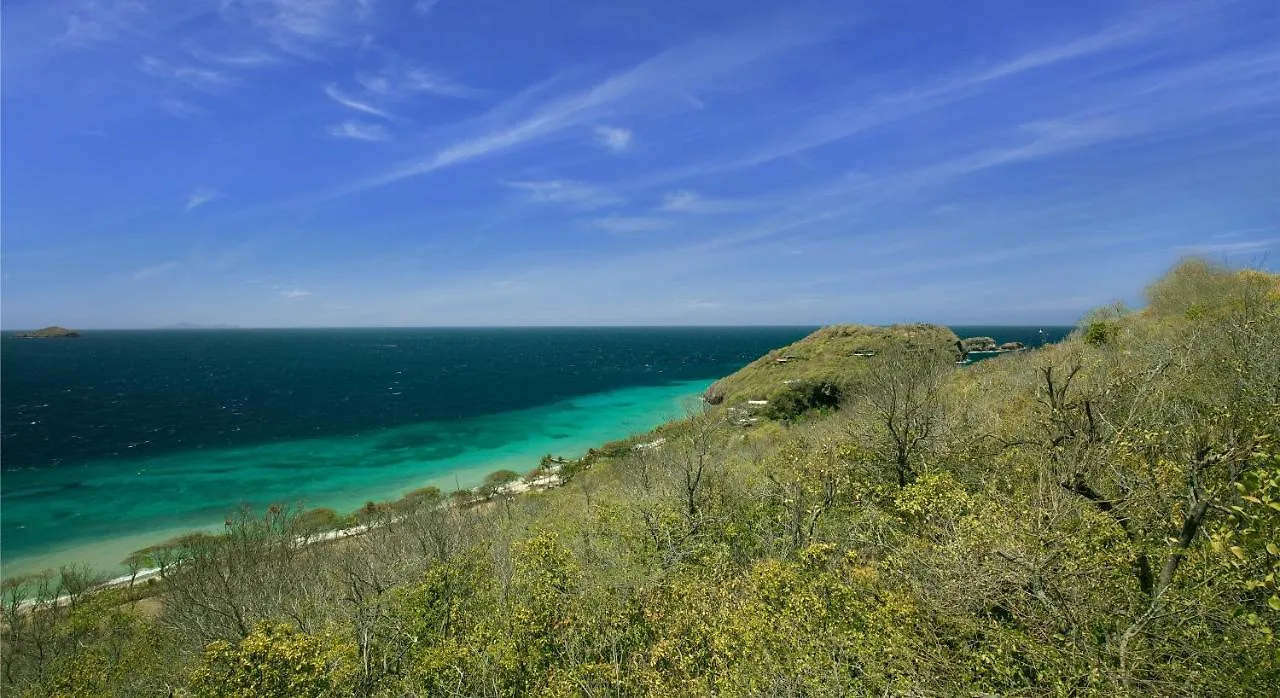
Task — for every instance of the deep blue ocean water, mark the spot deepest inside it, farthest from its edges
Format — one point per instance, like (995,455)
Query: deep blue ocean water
(116,438)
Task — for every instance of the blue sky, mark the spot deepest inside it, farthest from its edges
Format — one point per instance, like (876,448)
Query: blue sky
(482,162)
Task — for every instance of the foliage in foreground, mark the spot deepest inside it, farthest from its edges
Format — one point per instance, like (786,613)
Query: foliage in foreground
(1099,517)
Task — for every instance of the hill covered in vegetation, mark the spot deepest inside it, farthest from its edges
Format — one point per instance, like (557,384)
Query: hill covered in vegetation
(837,356)
(854,515)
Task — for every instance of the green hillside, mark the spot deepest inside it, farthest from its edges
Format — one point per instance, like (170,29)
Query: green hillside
(1098,517)
(840,355)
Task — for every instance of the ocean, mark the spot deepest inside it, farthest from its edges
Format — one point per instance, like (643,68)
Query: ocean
(118,439)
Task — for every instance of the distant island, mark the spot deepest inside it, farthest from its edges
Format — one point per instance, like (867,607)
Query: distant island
(193,326)
(49,333)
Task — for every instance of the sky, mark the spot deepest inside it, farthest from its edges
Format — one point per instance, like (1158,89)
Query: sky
(269,163)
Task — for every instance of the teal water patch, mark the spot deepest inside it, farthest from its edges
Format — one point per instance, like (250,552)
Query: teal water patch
(99,512)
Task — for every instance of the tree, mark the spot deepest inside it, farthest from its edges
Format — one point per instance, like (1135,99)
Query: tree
(904,399)
(221,586)
(806,482)
(693,459)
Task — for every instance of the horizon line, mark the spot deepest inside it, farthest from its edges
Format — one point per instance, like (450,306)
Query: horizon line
(235,328)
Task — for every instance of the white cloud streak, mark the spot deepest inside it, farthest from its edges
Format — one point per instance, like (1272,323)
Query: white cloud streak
(664,81)
(148,272)
(201,196)
(625,225)
(412,82)
(199,78)
(577,194)
(360,131)
(862,115)
(248,58)
(179,108)
(1139,109)
(422,8)
(614,138)
(1231,248)
(687,201)
(297,27)
(342,98)
(94,23)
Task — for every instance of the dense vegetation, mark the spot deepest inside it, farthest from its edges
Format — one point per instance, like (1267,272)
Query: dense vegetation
(1097,517)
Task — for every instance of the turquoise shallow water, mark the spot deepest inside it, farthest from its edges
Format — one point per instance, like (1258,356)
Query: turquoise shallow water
(106,509)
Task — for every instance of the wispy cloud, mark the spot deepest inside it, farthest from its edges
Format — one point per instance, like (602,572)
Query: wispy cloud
(422,8)
(197,77)
(97,22)
(1075,303)
(623,225)
(245,58)
(1157,103)
(561,191)
(294,293)
(398,85)
(429,82)
(847,196)
(297,26)
(662,82)
(349,102)
(147,272)
(614,138)
(1230,248)
(862,114)
(692,202)
(701,305)
(360,131)
(201,196)
(982,258)
(179,108)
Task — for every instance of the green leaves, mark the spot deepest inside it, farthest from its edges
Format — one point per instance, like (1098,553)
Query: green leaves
(1101,332)
(276,660)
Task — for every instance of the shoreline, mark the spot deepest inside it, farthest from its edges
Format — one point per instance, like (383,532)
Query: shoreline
(465,470)
(552,479)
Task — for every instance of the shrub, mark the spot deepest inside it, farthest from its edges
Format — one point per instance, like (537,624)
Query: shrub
(421,497)
(1101,332)
(802,397)
(461,497)
(495,480)
(276,659)
(498,478)
(321,519)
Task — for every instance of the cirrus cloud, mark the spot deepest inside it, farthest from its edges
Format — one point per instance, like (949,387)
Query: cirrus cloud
(359,131)
(614,138)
